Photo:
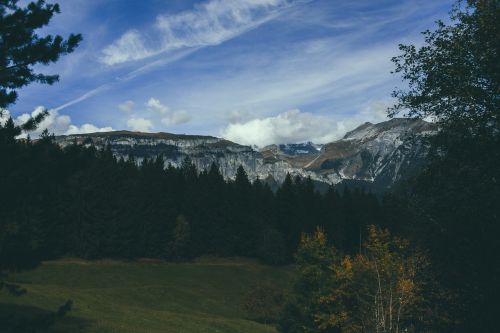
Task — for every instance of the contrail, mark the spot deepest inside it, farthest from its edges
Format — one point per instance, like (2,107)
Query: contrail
(84,96)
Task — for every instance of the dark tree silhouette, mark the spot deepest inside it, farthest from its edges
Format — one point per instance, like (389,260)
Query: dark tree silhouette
(455,79)
(21,48)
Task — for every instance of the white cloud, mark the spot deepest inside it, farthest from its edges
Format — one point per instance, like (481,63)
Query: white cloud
(287,127)
(140,124)
(156,105)
(209,23)
(169,117)
(128,47)
(57,124)
(86,128)
(4,115)
(127,106)
(297,126)
(215,21)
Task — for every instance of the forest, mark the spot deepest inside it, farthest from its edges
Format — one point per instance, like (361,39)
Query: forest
(84,202)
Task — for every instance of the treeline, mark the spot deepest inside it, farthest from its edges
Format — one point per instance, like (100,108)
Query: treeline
(85,202)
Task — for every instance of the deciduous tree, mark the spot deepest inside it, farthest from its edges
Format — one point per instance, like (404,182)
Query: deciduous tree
(454,78)
(388,287)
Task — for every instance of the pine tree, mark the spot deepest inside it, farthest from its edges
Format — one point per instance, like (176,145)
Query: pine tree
(21,48)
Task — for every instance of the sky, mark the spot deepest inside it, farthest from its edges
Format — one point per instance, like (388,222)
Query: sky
(252,71)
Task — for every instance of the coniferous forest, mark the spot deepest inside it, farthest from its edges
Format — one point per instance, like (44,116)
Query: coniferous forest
(424,257)
(83,202)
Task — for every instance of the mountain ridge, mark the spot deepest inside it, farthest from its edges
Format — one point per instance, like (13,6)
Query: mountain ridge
(379,153)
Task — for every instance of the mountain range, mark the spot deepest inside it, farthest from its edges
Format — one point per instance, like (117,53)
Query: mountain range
(376,154)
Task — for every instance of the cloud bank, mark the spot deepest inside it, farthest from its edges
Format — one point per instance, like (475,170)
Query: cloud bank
(286,127)
(296,126)
(54,122)
(139,124)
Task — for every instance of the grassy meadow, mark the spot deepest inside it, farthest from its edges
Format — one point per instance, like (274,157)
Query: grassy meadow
(143,296)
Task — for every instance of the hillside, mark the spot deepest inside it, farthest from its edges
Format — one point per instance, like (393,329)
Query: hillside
(135,297)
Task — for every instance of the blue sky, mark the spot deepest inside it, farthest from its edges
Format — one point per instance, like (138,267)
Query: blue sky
(253,71)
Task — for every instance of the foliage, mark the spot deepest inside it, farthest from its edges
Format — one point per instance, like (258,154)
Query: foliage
(454,78)
(264,303)
(314,259)
(386,288)
(21,48)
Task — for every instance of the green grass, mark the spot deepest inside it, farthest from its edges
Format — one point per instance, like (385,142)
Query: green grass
(117,296)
